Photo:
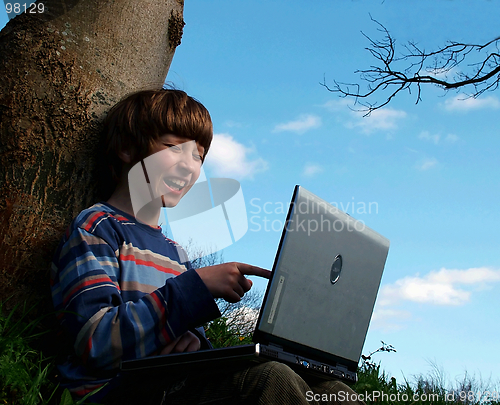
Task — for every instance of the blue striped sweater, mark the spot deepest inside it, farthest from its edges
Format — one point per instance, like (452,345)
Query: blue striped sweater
(123,291)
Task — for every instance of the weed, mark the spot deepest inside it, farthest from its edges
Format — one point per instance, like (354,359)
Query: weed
(432,389)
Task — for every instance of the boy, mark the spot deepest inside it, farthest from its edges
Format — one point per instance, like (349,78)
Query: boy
(125,291)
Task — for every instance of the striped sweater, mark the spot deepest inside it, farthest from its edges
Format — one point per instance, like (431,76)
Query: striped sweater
(122,291)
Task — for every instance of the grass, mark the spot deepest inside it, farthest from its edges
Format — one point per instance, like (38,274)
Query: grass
(220,335)
(378,388)
(26,373)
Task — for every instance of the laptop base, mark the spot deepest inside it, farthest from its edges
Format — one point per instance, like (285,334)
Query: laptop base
(233,358)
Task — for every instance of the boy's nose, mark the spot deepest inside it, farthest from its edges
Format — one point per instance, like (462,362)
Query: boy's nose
(187,162)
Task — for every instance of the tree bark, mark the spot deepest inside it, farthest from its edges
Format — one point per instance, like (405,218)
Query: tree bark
(60,72)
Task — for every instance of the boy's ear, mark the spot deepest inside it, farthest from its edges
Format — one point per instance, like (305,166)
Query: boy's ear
(125,156)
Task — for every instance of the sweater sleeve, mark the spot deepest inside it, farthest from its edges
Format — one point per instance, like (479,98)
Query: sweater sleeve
(105,328)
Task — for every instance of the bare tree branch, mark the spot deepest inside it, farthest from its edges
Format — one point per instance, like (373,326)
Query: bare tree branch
(473,68)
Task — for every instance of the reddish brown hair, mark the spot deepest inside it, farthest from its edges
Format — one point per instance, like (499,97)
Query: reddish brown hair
(136,123)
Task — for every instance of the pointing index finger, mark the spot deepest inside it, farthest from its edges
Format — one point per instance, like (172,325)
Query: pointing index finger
(250,270)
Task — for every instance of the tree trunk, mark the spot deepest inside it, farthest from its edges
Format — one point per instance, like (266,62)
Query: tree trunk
(60,72)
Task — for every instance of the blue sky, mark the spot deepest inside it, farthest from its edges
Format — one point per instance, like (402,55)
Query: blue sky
(425,176)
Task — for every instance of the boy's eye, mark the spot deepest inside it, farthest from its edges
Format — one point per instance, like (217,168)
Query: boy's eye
(173,147)
(176,148)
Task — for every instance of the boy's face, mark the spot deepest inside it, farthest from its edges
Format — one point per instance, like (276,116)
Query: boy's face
(176,162)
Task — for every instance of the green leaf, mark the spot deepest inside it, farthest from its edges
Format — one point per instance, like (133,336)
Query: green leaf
(66,398)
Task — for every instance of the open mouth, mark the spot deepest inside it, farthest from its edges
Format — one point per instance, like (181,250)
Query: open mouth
(175,184)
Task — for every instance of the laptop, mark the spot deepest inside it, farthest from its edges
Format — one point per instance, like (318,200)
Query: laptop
(318,303)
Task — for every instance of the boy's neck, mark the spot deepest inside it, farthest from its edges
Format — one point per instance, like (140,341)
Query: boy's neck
(121,199)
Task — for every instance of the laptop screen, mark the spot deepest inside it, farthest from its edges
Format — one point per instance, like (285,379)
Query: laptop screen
(325,281)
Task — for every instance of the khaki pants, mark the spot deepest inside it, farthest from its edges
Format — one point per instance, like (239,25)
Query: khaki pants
(262,384)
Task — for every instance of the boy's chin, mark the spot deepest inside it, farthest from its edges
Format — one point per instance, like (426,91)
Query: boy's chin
(150,212)
(170,200)
(170,204)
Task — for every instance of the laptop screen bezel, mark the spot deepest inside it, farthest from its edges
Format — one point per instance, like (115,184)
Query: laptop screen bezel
(257,333)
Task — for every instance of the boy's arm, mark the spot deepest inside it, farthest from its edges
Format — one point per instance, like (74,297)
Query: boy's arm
(107,329)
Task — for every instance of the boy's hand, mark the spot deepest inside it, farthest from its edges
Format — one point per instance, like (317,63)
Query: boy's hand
(187,342)
(228,280)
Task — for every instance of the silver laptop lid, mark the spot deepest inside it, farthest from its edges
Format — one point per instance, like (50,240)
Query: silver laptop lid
(325,280)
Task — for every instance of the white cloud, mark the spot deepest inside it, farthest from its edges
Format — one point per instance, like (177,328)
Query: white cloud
(424,290)
(427,164)
(451,138)
(428,137)
(438,73)
(442,74)
(437,138)
(388,319)
(446,287)
(233,124)
(443,287)
(311,169)
(229,158)
(301,125)
(384,119)
(342,104)
(465,103)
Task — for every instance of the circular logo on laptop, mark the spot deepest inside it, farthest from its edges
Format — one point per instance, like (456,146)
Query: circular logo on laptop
(336,269)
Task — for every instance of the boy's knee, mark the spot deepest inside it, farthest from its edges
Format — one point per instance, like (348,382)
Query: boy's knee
(273,370)
(280,377)
(273,367)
